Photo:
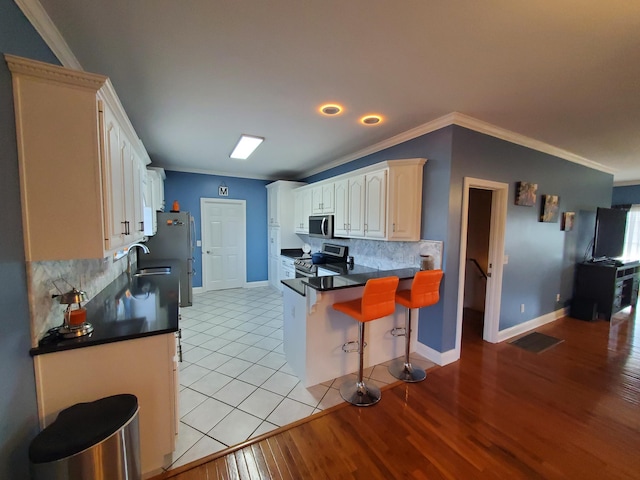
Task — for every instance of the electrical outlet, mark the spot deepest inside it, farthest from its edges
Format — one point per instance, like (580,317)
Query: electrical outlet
(522,308)
(557,297)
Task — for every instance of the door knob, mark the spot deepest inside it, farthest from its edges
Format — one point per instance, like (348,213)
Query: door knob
(208,251)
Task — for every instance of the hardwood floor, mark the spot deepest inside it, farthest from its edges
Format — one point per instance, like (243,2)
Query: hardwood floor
(500,412)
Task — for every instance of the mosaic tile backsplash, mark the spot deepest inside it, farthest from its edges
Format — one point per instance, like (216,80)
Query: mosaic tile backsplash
(45,278)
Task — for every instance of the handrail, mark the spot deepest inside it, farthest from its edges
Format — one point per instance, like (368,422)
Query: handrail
(475,262)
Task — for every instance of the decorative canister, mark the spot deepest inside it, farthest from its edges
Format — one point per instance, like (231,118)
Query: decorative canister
(426,262)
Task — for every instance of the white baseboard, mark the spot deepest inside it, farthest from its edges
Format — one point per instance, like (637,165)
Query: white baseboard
(262,283)
(439,358)
(521,328)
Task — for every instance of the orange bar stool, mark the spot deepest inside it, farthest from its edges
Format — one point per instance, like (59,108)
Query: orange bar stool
(378,300)
(425,291)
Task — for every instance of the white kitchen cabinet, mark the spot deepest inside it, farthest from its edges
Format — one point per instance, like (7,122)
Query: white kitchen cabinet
(375,204)
(122,185)
(153,198)
(280,210)
(302,209)
(404,201)
(322,199)
(379,202)
(287,268)
(274,257)
(156,188)
(71,161)
(145,367)
(349,207)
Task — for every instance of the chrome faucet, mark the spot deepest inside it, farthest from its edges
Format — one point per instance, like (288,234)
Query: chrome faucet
(144,248)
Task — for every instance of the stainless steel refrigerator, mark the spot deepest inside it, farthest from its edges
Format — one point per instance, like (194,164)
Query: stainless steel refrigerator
(174,241)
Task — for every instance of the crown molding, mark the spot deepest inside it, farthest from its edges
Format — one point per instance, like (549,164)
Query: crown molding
(46,71)
(462,120)
(627,183)
(418,131)
(38,17)
(480,126)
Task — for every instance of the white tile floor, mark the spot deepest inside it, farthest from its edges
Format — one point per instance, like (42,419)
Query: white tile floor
(235,383)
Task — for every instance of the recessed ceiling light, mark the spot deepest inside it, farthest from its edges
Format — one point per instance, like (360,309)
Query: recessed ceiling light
(371,119)
(245,146)
(331,109)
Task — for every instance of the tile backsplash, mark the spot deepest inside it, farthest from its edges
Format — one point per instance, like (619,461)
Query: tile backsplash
(47,277)
(384,255)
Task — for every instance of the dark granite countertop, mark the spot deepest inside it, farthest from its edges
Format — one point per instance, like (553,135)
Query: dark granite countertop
(126,309)
(291,252)
(337,282)
(356,277)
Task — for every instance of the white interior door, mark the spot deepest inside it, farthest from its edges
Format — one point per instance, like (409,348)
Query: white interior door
(223,243)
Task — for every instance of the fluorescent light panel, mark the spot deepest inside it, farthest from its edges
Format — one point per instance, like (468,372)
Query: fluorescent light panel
(245,147)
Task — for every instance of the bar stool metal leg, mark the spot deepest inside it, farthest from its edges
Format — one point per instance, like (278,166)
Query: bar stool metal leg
(402,369)
(359,393)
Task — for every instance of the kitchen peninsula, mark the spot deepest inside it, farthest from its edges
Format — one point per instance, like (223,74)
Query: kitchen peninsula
(314,332)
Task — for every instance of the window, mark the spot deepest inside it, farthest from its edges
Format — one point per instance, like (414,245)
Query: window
(632,235)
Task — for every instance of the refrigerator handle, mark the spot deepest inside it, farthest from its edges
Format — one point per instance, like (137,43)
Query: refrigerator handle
(192,228)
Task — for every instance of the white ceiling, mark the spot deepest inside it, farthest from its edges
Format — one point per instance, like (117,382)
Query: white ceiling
(195,74)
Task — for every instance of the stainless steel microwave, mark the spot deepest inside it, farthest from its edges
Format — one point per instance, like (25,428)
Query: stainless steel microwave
(321,226)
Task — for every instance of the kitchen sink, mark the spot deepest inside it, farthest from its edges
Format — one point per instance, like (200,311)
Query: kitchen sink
(143,272)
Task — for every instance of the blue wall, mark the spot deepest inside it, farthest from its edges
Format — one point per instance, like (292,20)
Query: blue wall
(627,195)
(541,256)
(189,188)
(18,409)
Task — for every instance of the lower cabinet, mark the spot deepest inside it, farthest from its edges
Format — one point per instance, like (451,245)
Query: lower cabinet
(145,367)
(287,269)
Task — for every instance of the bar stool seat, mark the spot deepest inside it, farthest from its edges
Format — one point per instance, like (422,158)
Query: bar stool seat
(424,292)
(378,300)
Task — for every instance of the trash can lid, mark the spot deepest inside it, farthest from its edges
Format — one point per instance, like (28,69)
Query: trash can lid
(81,426)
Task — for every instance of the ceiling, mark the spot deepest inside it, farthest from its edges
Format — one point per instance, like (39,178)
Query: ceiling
(195,74)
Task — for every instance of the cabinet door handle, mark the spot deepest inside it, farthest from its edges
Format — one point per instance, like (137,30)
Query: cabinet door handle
(125,224)
(142,226)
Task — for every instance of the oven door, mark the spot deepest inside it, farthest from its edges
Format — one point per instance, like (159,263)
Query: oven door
(303,274)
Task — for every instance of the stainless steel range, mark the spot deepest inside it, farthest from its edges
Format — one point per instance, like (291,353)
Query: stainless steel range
(330,253)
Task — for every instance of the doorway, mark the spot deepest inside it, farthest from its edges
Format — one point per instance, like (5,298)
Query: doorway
(484,223)
(477,258)
(223,243)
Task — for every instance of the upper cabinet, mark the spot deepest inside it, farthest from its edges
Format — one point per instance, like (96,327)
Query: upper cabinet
(155,188)
(302,209)
(122,177)
(153,195)
(322,199)
(280,208)
(81,163)
(380,202)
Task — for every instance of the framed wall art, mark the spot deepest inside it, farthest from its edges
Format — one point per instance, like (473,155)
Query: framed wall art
(549,210)
(526,194)
(568,219)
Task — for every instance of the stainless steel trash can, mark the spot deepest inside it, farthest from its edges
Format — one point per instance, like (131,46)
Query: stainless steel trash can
(91,440)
